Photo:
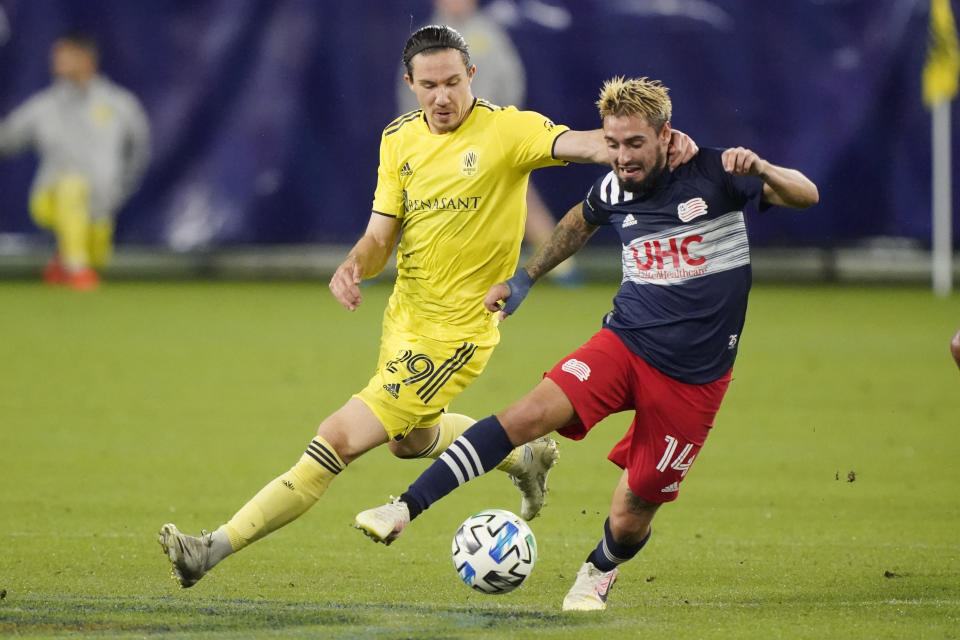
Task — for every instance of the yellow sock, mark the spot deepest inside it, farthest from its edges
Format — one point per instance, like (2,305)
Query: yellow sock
(287,496)
(450,427)
(71,202)
(101,243)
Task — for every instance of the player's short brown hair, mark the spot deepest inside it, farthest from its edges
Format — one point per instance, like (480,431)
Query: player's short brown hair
(636,97)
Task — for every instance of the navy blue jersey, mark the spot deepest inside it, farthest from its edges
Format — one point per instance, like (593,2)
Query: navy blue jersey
(686,265)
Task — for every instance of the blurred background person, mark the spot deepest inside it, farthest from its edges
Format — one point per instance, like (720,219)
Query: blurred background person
(92,138)
(500,79)
(955,347)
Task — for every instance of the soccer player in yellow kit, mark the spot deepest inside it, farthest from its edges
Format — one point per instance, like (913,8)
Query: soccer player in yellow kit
(451,197)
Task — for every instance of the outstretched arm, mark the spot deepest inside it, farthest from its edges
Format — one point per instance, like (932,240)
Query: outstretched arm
(781,186)
(590,146)
(581,146)
(365,260)
(570,234)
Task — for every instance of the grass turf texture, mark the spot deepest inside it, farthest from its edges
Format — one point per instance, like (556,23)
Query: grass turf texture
(823,505)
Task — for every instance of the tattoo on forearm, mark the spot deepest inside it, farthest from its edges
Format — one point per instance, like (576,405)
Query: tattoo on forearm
(566,239)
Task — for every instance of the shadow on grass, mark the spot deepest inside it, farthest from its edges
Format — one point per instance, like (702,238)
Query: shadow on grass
(158,615)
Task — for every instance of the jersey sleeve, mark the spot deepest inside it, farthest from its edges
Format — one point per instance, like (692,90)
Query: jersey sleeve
(529,138)
(388,197)
(748,189)
(742,189)
(594,210)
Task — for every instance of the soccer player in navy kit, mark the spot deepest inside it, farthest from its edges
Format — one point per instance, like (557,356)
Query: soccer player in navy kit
(667,348)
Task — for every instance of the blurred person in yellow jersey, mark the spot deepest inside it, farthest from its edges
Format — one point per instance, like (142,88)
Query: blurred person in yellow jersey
(93,141)
(450,198)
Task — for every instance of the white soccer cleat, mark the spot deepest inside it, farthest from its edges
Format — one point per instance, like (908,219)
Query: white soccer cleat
(589,592)
(531,480)
(189,555)
(385,523)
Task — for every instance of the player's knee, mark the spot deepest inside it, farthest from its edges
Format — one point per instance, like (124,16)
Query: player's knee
(338,437)
(352,430)
(525,421)
(541,411)
(955,347)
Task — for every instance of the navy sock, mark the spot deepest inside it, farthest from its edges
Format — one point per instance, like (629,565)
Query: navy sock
(609,553)
(478,449)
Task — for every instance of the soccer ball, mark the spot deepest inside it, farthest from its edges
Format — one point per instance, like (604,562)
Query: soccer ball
(494,551)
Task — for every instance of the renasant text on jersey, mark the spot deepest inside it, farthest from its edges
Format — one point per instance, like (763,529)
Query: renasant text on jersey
(460,203)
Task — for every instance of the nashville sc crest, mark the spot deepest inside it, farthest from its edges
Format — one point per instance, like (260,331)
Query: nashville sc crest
(470,163)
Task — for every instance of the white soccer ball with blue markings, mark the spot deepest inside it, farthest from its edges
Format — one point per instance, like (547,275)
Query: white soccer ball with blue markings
(494,551)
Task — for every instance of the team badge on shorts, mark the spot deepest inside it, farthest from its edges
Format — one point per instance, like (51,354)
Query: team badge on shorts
(578,369)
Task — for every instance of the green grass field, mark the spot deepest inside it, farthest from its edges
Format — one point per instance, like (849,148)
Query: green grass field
(826,504)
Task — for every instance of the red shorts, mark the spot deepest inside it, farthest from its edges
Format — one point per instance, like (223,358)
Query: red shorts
(671,422)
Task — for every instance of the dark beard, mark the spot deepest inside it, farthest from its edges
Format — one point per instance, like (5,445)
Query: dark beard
(643,187)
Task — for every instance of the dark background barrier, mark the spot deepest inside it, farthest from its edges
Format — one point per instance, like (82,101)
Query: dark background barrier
(266,115)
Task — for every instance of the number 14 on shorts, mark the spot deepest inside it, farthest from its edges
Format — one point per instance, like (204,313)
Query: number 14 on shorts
(680,462)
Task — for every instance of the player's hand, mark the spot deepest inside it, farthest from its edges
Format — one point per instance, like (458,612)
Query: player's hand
(498,292)
(682,148)
(742,162)
(345,285)
(511,293)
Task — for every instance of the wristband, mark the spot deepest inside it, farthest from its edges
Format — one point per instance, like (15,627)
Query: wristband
(519,285)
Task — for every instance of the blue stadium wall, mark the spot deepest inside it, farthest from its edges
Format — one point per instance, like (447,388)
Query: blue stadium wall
(266,115)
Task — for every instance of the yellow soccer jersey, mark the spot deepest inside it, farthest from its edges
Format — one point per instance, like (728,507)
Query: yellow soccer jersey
(461,197)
